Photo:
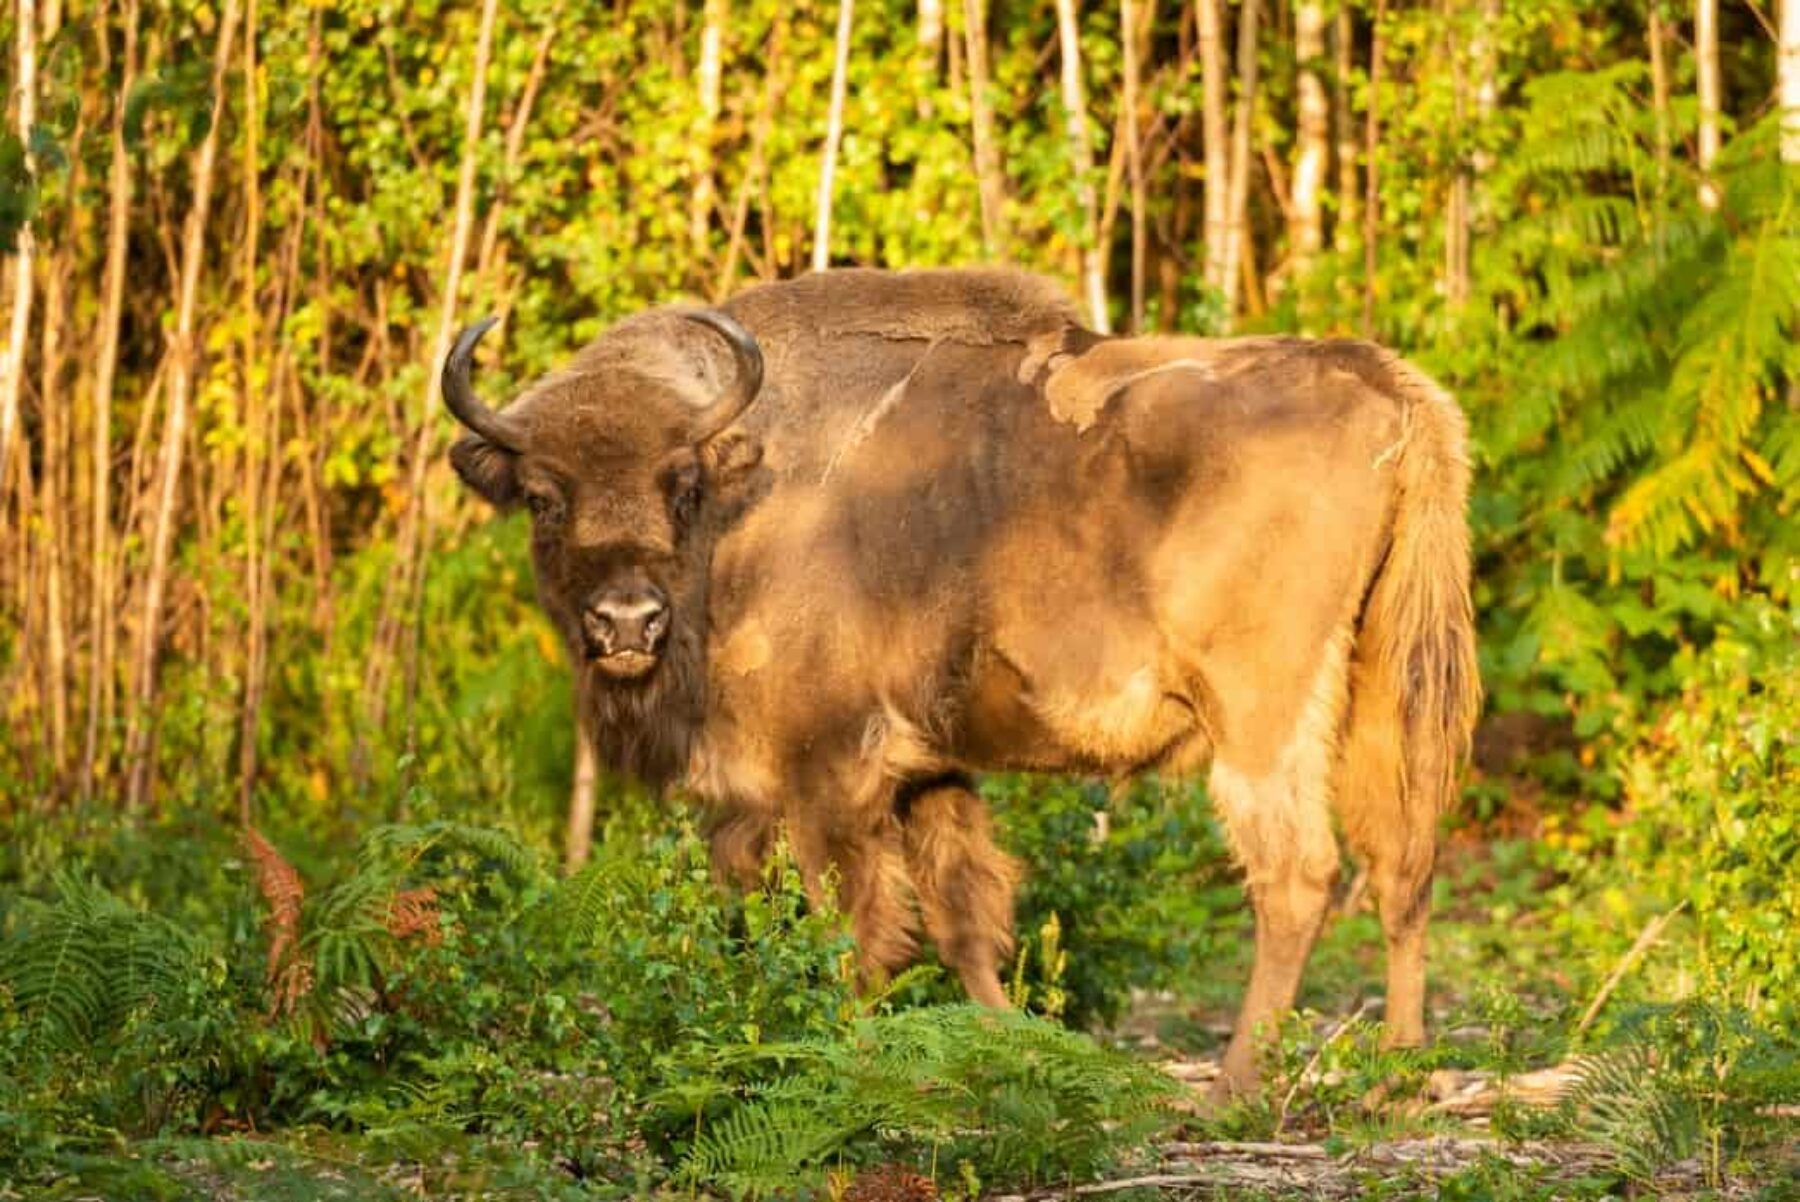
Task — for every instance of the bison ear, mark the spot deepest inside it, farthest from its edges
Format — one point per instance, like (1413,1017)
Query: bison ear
(490,470)
(730,456)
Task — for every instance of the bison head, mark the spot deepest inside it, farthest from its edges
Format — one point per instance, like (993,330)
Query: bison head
(614,456)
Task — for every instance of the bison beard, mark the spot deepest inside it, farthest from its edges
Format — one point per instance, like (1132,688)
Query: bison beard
(645,728)
(980,537)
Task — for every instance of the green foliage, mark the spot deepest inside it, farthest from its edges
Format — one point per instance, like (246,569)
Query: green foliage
(85,965)
(1692,1080)
(456,1001)
(1627,375)
(1025,1100)
(1136,908)
(1715,792)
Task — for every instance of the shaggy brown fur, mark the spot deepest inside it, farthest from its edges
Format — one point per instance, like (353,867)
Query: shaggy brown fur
(956,532)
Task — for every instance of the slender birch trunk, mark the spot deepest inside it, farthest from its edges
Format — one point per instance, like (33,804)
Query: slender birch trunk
(12,368)
(1306,225)
(407,581)
(834,134)
(56,527)
(1788,84)
(1129,31)
(256,402)
(1371,192)
(1214,147)
(579,841)
(931,30)
(1706,55)
(989,180)
(712,58)
(1238,197)
(1344,229)
(1081,156)
(103,585)
(490,258)
(1456,211)
(140,740)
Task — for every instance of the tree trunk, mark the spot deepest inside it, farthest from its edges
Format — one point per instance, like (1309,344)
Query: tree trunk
(140,741)
(490,258)
(12,369)
(712,58)
(579,841)
(103,586)
(834,134)
(1706,54)
(257,402)
(1344,228)
(408,578)
(1129,29)
(931,33)
(1456,211)
(1306,226)
(1789,81)
(989,179)
(1214,150)
(1081,158)
(1238,198)
(1371,193)
(57,528)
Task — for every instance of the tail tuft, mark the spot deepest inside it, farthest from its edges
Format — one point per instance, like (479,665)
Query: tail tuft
(1420,621)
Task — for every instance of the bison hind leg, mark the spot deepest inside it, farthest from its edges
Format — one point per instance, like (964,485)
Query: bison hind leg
(964,882)
(1394,831)
(1278,822)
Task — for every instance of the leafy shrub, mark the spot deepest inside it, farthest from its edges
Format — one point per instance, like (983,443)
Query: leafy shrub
(1715,793)
(1138,908)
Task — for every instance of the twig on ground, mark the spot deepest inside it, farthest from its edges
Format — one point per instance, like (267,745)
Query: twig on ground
(1649,935)
(1312,1063)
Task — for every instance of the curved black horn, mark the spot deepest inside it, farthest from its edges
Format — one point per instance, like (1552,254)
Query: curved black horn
(459,394)
(722,412)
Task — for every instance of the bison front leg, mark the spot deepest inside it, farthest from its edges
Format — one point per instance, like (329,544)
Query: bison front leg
(963,881)
(868,867)
(1280,829)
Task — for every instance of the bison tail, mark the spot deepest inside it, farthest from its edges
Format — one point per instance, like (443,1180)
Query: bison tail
(1418,634)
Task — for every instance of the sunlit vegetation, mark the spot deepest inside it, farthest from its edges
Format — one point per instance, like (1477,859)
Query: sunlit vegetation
(286,751)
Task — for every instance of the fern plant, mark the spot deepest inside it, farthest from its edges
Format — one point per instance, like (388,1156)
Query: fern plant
(83,965)
(1023,1099)
(1630,375)
(1691,1080)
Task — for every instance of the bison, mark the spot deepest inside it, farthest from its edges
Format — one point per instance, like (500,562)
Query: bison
(829,549)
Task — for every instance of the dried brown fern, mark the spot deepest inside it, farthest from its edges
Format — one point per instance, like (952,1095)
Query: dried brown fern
(289,976)
(891,1183)
(415,912)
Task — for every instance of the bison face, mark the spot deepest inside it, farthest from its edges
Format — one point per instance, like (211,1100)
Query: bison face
(615,459)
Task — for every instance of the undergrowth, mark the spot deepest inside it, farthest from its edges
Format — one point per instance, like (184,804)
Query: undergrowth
(448,1001)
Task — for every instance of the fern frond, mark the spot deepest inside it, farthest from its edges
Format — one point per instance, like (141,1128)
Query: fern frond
(407,843)
(81,965)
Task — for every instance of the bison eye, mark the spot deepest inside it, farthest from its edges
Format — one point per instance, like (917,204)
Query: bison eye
(683,485)
(544,506)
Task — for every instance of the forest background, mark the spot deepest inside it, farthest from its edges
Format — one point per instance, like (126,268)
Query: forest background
(244,606)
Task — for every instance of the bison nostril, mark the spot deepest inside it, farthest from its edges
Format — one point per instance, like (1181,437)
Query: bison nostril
(598,629)
(625,622)
(656,624)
